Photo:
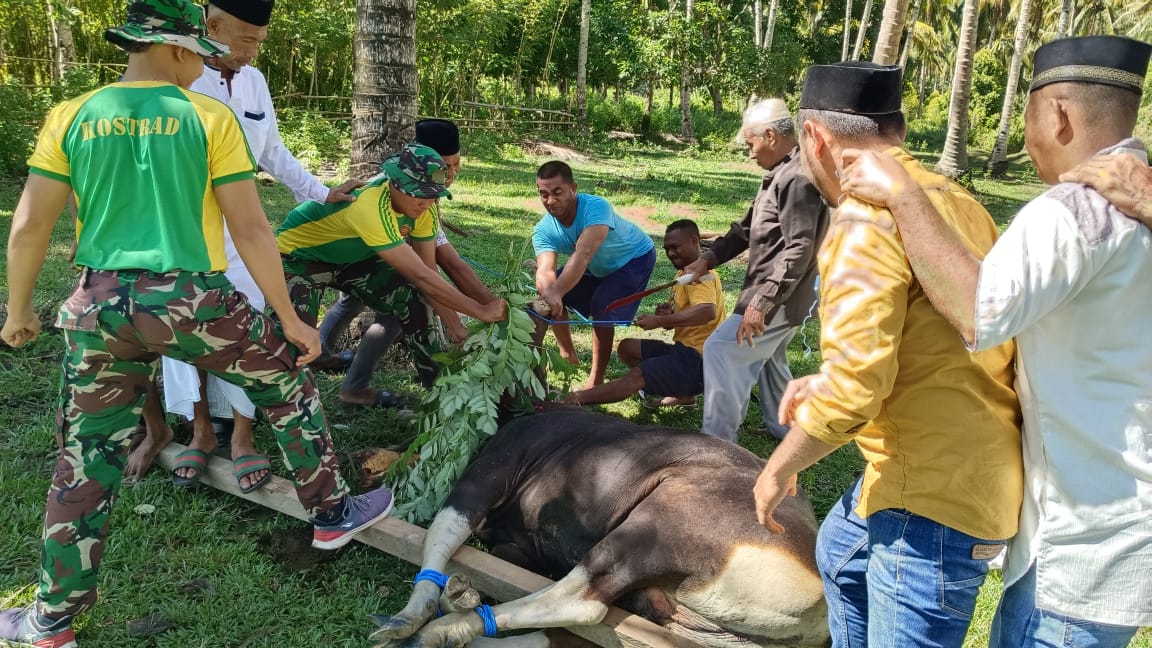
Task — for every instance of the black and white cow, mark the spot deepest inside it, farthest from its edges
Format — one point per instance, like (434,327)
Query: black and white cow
(658,521)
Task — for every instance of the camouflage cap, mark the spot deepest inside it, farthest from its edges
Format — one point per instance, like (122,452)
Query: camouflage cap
(418,171)
(171,22)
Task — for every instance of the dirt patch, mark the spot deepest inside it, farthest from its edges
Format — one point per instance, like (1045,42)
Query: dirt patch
(553,150)
(680,210)
(642,216)
(292,548)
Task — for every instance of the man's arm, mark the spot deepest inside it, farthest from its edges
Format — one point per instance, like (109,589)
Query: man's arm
(415,269)
(1124,180)
(426,250)
(586,246)
(945,267)
(36,214)
(257,247)
(462,274)
(694,315)
(864,305)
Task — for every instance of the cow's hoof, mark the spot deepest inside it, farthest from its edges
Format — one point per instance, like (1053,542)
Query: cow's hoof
(392,628)
(459,595)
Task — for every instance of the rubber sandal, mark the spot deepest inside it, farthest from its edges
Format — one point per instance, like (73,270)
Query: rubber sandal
(190,458)
(246,465)
(339,362)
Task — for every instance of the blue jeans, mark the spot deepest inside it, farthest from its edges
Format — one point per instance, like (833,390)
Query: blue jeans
(731,370)
(897,579)
(1020,624)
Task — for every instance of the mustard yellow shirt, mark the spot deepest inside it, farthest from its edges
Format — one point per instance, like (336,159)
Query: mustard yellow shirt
(939,426)
(708,291)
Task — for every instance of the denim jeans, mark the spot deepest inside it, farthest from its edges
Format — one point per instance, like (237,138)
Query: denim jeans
(1020,624)
(897,579)
(731,370)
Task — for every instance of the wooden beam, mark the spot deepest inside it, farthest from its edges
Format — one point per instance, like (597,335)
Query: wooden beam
(500,579)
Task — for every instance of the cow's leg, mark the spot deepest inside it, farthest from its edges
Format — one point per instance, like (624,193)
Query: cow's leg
(447,533)
(539,639)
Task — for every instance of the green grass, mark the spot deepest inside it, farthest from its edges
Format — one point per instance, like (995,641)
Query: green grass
(267,589)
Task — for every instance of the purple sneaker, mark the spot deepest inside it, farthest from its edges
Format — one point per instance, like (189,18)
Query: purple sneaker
(360,512)
(21,627)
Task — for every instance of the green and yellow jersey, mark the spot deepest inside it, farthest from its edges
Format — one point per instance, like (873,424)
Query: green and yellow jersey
(355,231)
(143,159)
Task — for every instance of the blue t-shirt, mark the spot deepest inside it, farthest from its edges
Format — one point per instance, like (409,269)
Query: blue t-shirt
(625,241)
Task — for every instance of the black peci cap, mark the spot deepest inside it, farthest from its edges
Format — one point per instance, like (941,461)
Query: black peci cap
(253,12)
(1108,60)
(440,135)
(856,87)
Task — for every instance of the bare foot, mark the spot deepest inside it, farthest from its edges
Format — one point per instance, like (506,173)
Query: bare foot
(142,456)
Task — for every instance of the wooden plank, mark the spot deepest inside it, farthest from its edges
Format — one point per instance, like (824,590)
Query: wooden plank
(497,578)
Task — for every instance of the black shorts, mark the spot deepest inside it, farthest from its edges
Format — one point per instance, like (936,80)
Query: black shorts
(671,369)
(591,294)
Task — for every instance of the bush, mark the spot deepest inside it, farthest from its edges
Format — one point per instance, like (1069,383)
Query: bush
(312,138)
(23,113)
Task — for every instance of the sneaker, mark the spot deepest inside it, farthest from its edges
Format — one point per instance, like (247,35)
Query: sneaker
(360,512)
(21,627)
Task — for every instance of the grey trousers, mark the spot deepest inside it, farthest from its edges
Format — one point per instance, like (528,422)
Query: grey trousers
(373,344)
(730,371)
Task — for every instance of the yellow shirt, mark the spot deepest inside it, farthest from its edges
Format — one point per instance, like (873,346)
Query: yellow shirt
(938,426)
(708,291)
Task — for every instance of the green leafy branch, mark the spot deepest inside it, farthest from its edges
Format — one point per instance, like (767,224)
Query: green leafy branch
(496,362)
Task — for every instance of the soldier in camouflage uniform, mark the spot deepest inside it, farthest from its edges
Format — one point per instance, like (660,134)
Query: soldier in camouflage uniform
(151,284)
(381,250)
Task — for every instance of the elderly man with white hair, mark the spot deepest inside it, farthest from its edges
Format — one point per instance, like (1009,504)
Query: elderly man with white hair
(781,231)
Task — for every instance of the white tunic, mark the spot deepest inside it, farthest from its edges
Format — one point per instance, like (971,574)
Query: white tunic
(1071,280)
(252,103)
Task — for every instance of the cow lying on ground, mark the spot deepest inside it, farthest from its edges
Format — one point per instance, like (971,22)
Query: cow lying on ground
(657,521)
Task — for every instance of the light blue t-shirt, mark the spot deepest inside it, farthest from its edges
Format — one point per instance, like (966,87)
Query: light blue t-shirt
(625,241)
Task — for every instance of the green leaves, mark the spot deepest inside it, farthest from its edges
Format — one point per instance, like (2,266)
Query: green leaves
(462,408)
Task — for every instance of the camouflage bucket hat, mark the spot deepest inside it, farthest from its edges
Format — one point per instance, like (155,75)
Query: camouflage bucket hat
(171,22)
(418,171)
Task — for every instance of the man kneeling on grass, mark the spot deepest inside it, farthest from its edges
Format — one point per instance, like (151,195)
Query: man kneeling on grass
(676,370)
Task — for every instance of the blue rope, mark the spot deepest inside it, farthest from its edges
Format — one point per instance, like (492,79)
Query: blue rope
(483,268)
(432,576)
(584,321)
(489,619)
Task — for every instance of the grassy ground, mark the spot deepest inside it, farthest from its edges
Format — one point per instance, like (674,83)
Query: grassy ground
(229,574)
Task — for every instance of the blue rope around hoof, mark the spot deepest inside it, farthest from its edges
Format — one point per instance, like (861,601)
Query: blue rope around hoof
(489,619)
(432,576)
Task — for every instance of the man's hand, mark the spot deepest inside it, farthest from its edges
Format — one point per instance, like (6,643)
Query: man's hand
(342,193)
(874,177)
(796,393)
(649,322)
(664,308)
(304,337)
(21,327)
(769,491)
(555,302)
(493,311)
(698,269)
(751,326)
(457,332)
(1124,180)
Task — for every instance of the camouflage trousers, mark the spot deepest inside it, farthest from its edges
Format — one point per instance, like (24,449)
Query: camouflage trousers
(379,287)
(116,325)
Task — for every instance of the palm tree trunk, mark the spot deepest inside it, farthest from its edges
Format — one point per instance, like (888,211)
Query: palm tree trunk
(384,99)
(847,30)
(582,62)
(910,38)
(685,80)
(1064,26)
(891,29)
(771,28)
(863,30)
(954,160)
(998,161)
(757,15)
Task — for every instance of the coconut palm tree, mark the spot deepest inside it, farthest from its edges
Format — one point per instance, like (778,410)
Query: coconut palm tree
(847,35)
(582,61)
(862,30)
(998,161)
(891,29)
(766,41)
(384,83)
(954,160)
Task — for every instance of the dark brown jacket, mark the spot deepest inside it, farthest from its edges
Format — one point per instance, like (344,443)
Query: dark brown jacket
(781,231)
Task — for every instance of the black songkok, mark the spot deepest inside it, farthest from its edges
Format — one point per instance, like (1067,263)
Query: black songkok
(1108,60)
(253,12)
(856,87)
(440,135)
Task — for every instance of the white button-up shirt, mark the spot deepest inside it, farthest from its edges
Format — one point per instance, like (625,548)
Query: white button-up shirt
(1071,280)
(252,103)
